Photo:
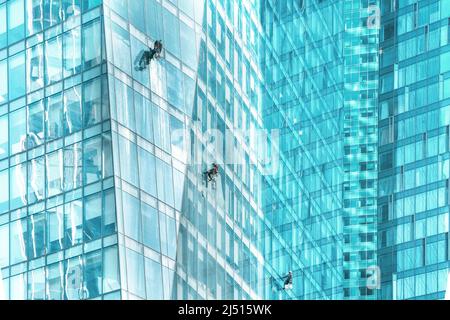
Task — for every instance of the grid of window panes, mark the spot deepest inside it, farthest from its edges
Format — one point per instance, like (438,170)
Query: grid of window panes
(57,213)
(360,147)
(303,98)
(414,111)
(180,238)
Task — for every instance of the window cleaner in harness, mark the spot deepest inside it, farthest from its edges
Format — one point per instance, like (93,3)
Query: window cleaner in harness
(146,56)
(287,281)
(212,174)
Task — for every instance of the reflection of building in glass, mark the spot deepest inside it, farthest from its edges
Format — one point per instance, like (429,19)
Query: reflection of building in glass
(58,234)
(303,95)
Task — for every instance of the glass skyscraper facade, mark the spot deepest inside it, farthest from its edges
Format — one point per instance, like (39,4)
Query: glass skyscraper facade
(414,149)
(58,224)
(303,98)
(102,166)
(321,90)
(328,119)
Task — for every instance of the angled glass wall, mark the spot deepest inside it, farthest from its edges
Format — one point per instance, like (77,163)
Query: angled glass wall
(181,237)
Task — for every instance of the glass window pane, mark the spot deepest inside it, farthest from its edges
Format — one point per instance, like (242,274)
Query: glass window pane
(150,225)
(125,106)
(189,52)
(111,270)
(36,284)
(175,92)
(35,121)
(73,220)
(172,237)
(37,237)
(19,283)
(93,274)
(18,240)
(18,186)
(128,160)
(73,110)
(135,273)
(137,13)
(4,288)
(3,80)
(92,160)
(3,33)
(16,20)
(164,182)
(72,52)
(179,186)
(153,19)
(36,179)
(17,131)
(92,44)
(4,147)
(16,76)
(137,47)
(53,60)
(93,217)
(171,33)
(163,233)
(54,172)
(89,4)
(120,7)
(52,13)
(121,45)
(107,156)
(158,79)
(92,93)
(73,167)
(144,124)
(131,216)
(35,68)
(109,212)
(147,170)
(177,139)
(161,128)
(71,8)
(55,117)
(55,229)
(4,195)
(4,246)
(55,281)
(35,16)
(153,279)
(74,279)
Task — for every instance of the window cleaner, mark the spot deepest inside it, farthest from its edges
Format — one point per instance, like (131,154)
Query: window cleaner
(282,283)
(146,56)
(211,174)
(288,281)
